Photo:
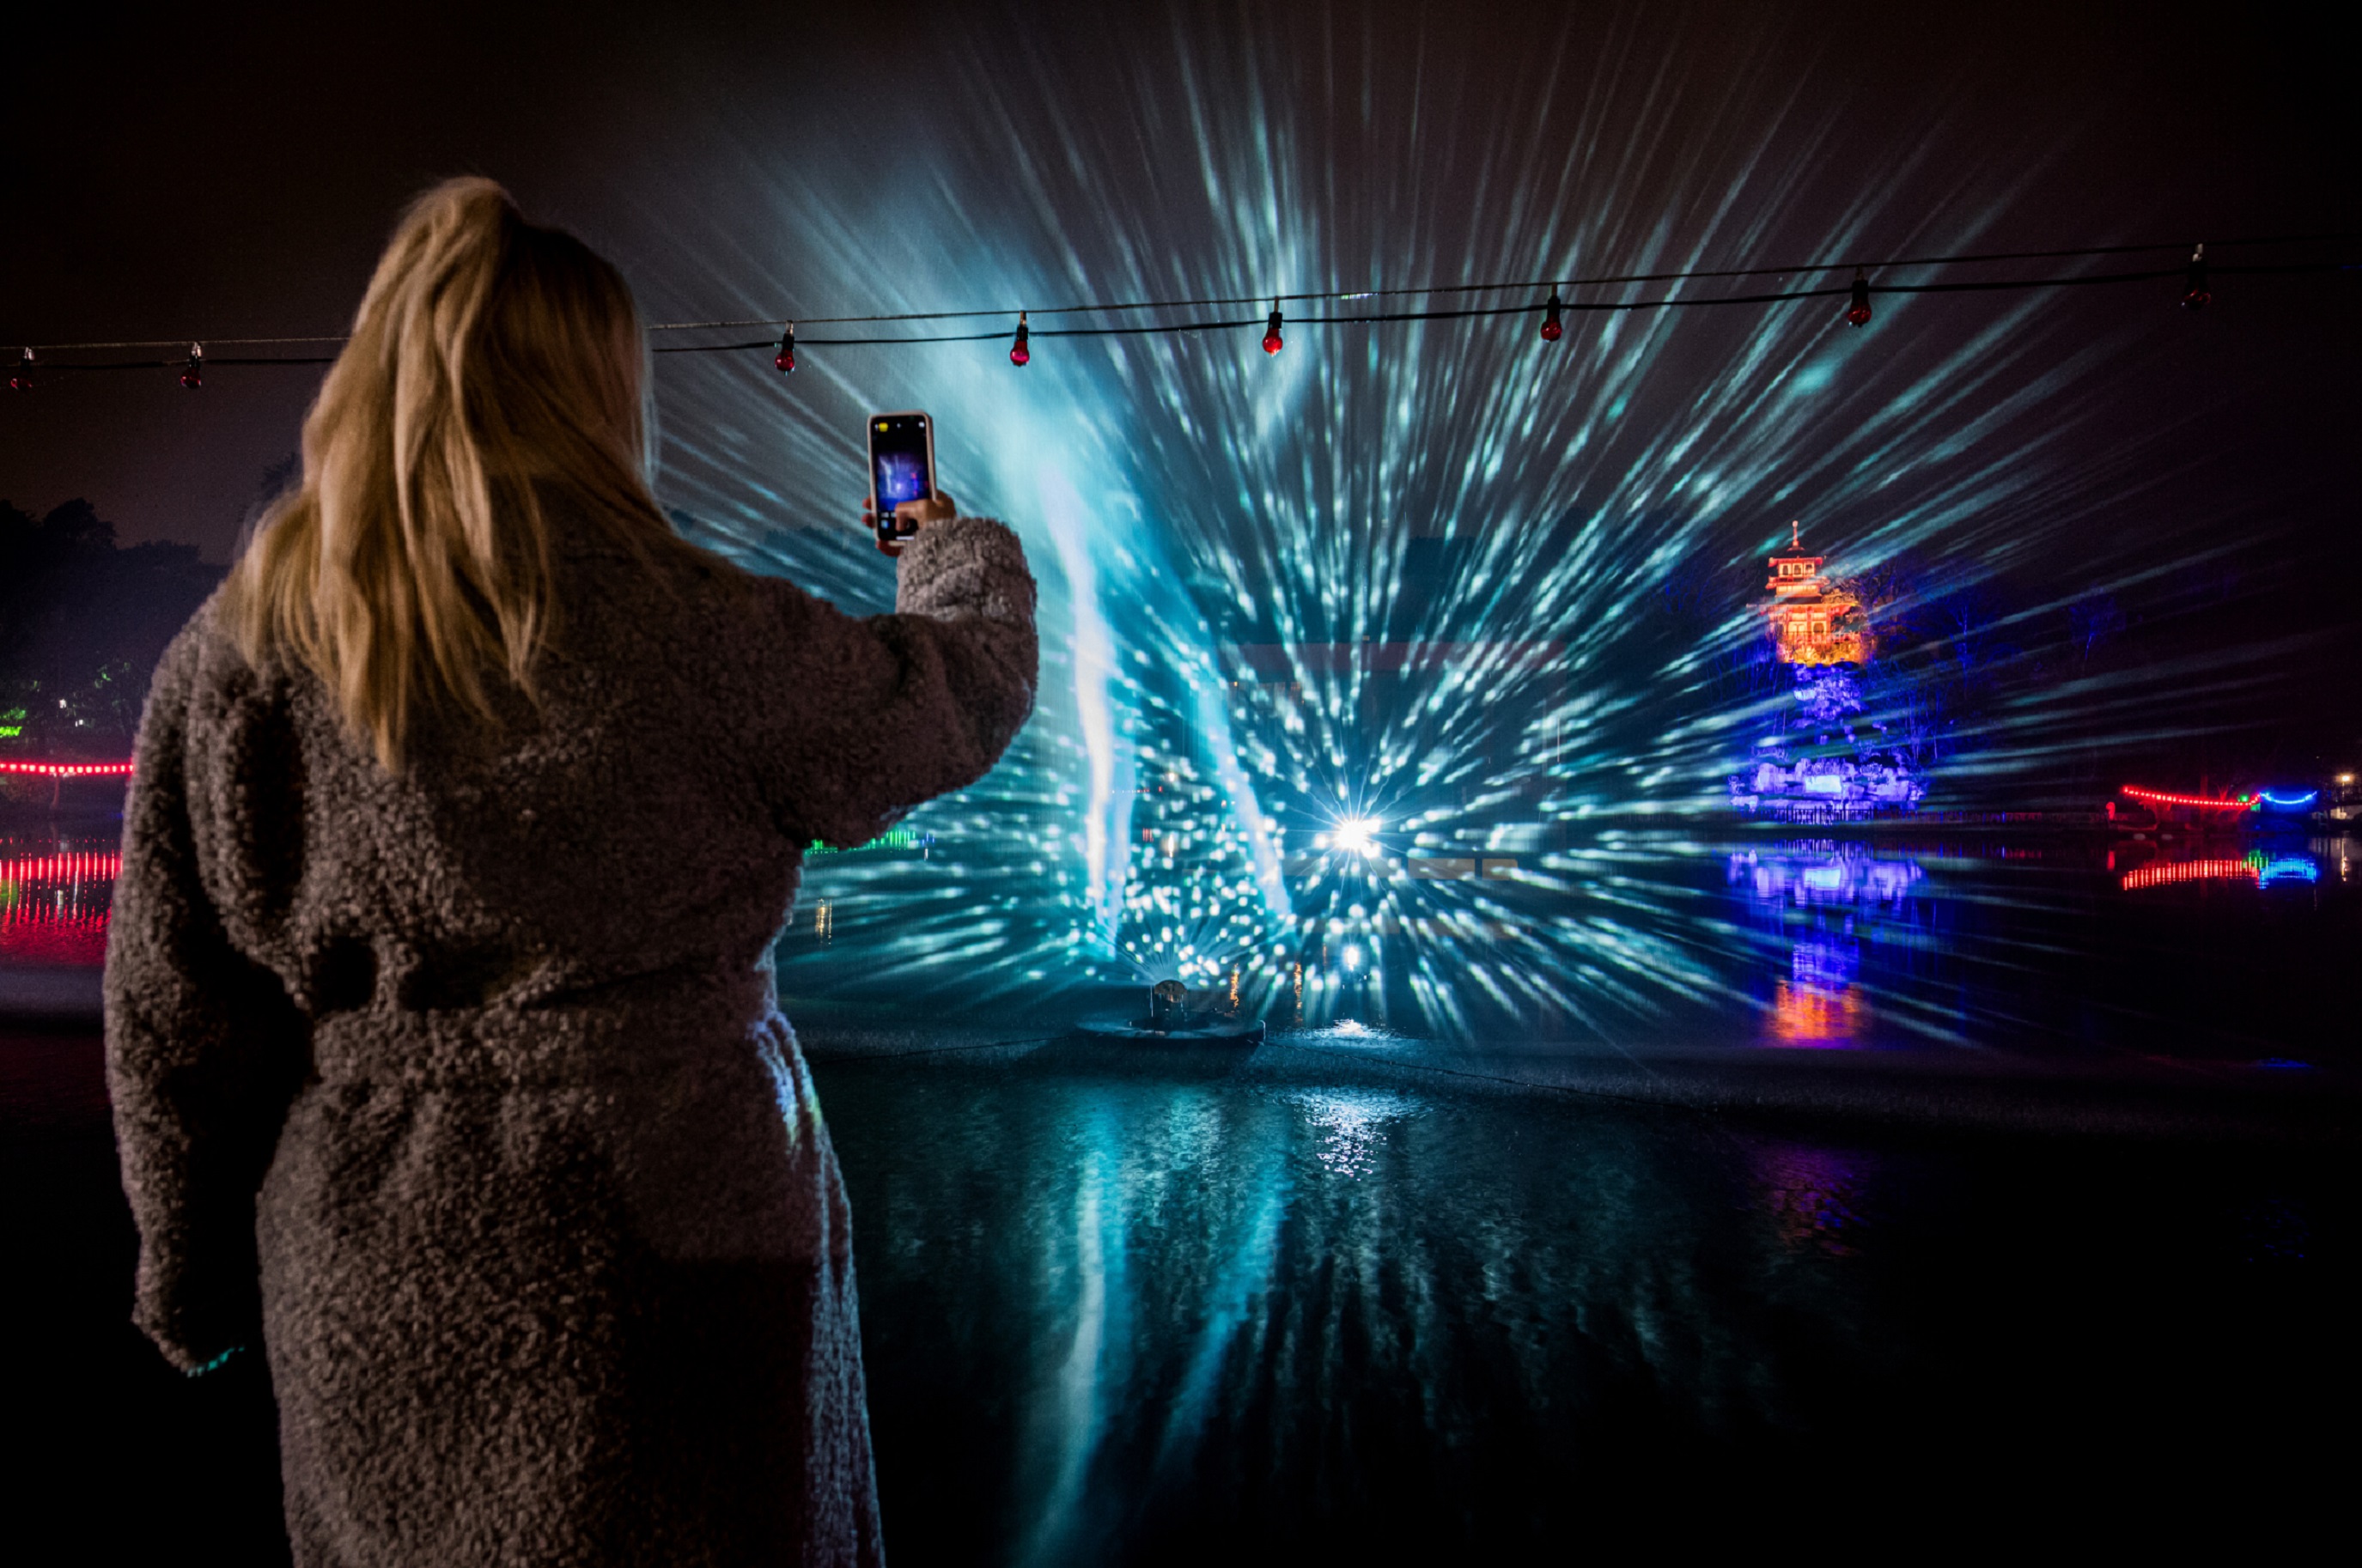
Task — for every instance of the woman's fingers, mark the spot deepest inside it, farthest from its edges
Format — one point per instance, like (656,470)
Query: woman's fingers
(910,516)
(916,514)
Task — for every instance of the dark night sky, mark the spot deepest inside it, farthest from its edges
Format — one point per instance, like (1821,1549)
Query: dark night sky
(234,172)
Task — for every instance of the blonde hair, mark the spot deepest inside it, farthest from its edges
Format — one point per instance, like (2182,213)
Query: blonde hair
(495,367)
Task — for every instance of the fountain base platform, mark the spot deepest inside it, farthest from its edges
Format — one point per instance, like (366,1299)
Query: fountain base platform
(1196,1030)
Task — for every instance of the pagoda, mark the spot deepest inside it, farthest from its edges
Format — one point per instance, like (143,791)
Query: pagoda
(1826,760)
(1813,621)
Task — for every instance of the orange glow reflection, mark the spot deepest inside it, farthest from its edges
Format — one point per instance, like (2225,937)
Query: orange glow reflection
(1813,1018)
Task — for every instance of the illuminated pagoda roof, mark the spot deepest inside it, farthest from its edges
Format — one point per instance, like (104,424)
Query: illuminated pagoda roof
(1813,620)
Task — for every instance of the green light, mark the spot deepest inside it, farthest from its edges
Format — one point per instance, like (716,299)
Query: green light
(893,838)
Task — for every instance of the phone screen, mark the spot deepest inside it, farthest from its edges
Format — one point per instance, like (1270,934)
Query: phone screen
(902,462)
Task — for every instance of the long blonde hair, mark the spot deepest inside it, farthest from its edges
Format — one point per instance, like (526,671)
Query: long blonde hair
(495,367)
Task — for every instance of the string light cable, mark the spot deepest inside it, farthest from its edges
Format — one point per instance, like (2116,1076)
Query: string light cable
(1852,281)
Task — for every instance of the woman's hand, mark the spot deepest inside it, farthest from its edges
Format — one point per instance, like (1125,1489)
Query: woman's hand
(909,518)
(918,514)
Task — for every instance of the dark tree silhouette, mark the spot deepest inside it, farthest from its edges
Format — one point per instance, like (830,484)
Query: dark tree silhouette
(2094,621)
(82,622)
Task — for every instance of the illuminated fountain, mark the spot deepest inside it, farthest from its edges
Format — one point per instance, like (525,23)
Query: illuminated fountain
(1405,571)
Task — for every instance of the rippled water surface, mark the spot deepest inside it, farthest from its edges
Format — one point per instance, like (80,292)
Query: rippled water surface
(1118,1311)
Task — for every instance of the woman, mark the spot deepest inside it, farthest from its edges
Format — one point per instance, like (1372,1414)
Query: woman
(445,1057)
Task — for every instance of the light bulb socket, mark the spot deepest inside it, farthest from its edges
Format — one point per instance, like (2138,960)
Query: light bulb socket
(1857,312)
(2195,292)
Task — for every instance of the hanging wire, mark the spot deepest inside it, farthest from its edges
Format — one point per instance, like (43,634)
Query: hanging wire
(1528,288)
(1528,284)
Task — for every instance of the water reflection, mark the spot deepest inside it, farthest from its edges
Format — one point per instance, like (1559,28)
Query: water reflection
(2261,867)
(1811,1194)
(1818,1008)
(1873,939)
(55,895)
(1351,1127)
(1823,895)
(1883,938)
(1199,1294)
(1824,871)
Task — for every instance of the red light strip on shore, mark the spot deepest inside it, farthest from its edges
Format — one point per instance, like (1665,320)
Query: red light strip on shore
(2188,871)
(69,769)
(2163,798)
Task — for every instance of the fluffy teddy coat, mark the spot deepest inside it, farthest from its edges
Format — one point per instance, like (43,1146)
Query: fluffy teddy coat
(464,1091)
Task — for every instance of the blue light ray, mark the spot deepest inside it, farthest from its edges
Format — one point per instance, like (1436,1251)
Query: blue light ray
(1417,568)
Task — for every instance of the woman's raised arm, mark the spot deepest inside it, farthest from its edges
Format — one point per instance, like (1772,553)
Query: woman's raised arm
(876,715)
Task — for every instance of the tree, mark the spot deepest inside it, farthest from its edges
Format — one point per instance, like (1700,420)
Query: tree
(1891,594)
(1967,621)
(1828,694)
(2094,620)
(82,622)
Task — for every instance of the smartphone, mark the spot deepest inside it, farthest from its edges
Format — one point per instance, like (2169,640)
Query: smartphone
(901,467)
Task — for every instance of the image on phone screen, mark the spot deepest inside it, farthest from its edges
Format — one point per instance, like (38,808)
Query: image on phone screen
(901,462)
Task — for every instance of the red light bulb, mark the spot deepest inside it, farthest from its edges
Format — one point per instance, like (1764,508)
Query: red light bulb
(1272,341)
(1018,353)
(193,377)
(1551,327)
(785,361)
(2195,294)
(23,379)
(1858,313)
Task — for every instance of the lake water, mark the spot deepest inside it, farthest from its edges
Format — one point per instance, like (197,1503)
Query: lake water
(1282,1311)
(2235,948)
(1880,1180)
(1969,940)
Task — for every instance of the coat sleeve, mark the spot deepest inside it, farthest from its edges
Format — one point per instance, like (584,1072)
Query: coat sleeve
(870,717)
(205,1049)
